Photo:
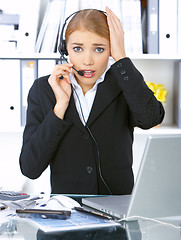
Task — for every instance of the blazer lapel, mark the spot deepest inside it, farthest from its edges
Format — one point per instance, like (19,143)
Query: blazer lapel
(107,91)
(49,92)
(72,115)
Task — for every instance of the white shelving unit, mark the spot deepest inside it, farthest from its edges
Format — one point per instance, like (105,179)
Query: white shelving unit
(154,67)
(57,55)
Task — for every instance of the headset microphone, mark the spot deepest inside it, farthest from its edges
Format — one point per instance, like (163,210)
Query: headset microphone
(79,72)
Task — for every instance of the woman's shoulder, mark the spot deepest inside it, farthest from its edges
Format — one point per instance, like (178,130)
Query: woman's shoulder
(42,80)
(39,85)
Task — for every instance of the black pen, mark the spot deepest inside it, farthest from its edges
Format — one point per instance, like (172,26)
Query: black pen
(3,206)
(81,209)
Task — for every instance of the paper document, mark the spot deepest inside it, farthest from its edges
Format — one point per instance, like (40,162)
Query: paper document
(77,220)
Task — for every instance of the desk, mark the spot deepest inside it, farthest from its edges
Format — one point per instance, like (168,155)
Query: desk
(134,230)
(138,230)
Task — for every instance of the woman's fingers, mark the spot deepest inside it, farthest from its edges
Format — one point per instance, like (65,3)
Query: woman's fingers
(116,35)
(62,72)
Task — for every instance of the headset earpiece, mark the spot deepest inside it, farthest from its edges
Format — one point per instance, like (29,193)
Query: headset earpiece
(63,48)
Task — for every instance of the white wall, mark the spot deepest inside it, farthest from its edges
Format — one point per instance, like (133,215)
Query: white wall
(11,177)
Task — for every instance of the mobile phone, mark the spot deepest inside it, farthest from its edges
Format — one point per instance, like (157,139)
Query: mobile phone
(43,213)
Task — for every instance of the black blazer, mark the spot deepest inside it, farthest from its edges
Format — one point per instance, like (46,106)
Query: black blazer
(122,101)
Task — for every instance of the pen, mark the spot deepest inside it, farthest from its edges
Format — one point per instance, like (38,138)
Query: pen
(36,198)
(3,206)
(81,209)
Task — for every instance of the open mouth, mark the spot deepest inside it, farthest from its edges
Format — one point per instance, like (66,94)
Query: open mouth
(88,73)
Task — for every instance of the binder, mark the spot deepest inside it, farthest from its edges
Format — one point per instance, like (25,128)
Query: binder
(179,28)
(68,7)
(168,27)
(91,4)
(62,19)
(28,26)
(116,7)
(87,4)
(10,95)
(42,29)
(71,6)
(178,95)
(152,27)
(28,75)
(131,21)
(137,43)
(45,67)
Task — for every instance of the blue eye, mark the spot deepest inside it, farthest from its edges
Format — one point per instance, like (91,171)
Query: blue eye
(99,50)
(77,49)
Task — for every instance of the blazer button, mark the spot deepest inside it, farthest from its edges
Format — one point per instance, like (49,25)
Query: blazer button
(123,72)
(86,136)
(89,169)
(126,78)
(119,65)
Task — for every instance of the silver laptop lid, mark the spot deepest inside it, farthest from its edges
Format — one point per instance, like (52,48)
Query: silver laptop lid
(157,191)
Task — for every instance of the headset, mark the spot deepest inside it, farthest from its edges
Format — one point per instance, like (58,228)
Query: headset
(62,45)
(63,52)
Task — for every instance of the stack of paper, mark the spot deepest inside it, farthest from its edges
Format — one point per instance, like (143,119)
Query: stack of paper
(53,18)
(9,24)
(131,21)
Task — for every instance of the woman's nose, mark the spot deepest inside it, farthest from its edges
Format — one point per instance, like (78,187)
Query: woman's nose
(88,59)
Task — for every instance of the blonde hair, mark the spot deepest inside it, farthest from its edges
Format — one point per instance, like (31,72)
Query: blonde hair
(91,20)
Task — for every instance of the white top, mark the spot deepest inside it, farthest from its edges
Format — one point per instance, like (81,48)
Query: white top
(86,100)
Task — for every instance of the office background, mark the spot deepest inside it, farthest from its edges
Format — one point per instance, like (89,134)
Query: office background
(152,25)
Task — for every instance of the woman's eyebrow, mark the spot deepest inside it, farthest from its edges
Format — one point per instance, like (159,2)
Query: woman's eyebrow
(95,44)
(75,43)
(99,44)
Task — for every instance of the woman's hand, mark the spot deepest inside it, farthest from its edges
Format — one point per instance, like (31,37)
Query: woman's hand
(116,36)
(61,87)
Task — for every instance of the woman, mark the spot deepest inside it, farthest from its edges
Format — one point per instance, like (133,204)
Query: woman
(82,126)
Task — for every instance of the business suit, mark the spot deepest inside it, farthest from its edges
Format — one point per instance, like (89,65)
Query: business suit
(122,101)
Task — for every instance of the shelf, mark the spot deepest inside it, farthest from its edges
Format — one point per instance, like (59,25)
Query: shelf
(162,129)
(155,57)
(12,130)
(30,56)
(57,56)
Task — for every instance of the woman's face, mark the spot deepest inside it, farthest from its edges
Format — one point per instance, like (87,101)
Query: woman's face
(89,53)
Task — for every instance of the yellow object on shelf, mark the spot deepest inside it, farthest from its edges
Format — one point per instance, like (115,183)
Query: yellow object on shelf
(159,91)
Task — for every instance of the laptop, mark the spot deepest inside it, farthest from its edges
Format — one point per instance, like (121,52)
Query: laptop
(157,190)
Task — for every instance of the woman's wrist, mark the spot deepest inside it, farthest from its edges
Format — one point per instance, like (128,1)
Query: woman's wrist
(59,110)
(119,56)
